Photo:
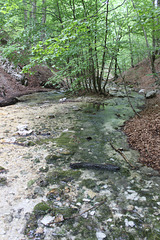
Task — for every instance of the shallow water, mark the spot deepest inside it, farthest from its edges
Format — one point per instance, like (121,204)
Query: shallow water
(115,205)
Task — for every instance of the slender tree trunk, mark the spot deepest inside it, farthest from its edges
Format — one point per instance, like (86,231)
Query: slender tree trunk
(104,51)
(95,43)
(43,22)
(130,42)
(72,5)
(147,43)
(34,10)
(25,13)
(59,14)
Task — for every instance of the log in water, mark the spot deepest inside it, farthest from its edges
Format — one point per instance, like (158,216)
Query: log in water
(84,165)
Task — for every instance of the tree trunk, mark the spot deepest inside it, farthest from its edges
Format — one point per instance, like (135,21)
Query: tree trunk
(104,51)
(43,19)
(25,13)
(147,43)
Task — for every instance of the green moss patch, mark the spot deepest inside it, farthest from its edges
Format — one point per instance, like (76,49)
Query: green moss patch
(65,176)
(41,209)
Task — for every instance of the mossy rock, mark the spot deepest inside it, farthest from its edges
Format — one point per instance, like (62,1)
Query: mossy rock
(31,227)
(44,141)
(65,176)
(86,228)
(3,170)
(30,144)
(69,140)
(44,169)
(66,212)
(41,209)
(54,193)
(89,183)
(51,159)
(3,181)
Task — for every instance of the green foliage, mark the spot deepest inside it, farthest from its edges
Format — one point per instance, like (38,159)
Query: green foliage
(76,39)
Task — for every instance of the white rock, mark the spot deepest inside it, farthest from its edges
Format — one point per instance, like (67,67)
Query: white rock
(142,91)
(65,130)
(85,215)
(92,213)
(133,196)
(62,100)
(100,235)
(47,220)
(151,94)
(129,223)
(22,127)
(25,132)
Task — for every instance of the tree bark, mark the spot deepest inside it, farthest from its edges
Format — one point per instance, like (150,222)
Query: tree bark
(104,51)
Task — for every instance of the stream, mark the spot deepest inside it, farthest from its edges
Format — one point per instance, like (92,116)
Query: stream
(43,198)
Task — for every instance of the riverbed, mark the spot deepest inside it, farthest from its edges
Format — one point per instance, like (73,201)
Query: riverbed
(43,198)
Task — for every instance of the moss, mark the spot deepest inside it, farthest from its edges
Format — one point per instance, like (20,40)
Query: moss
(3,181)
(31,227)
(51,159)
(65,176)
(36,160)
(30,183)
(30,143)
(41,209)
(89,183)
(45,169)
(53,193)
(66,212)
(3,170)
(68,140)
(86,228)
(44,141)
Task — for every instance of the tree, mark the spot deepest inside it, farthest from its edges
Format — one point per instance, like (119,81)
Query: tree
(85,40)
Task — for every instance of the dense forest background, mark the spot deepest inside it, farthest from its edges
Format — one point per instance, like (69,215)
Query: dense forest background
(81,41)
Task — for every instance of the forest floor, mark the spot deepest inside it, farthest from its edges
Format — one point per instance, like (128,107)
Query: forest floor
(143,133)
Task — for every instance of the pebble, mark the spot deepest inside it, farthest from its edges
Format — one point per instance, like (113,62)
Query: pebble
(100,235)
(39,230)
(129,223)
(130,207)
(47,220)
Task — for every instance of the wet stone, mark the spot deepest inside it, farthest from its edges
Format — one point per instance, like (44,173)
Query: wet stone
(3,181)
(52,159)
(3,170)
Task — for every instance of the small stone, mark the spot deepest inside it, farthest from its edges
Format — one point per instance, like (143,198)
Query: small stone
(39,230)
(142,91)
(62,100)
(92,213)
(91,194)
(151,94)
(100,235)
(129,223)
(59,218)
(86,200)
(85,215)
(47,220)
(130,207)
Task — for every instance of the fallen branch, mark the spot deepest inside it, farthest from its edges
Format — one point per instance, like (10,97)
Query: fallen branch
(124,157)
(84,165)
(80,214)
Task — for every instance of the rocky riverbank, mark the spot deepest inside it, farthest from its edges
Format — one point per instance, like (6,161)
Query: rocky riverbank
(43,198)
